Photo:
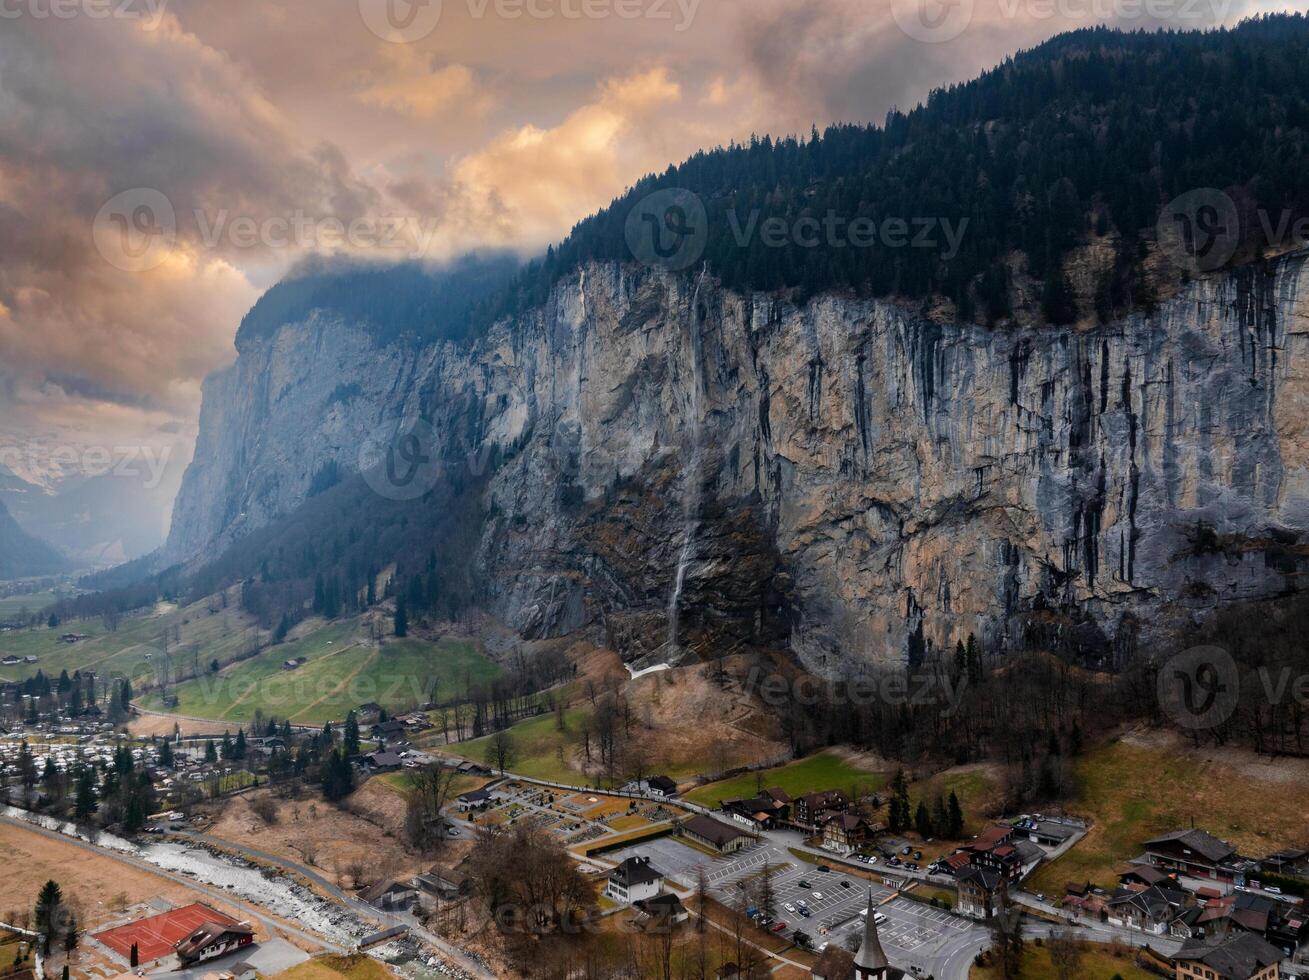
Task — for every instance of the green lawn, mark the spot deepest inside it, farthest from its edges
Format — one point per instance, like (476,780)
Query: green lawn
(33,602)
(816,772)
(1098,963)
(537,747)
(343,671)
(196,635)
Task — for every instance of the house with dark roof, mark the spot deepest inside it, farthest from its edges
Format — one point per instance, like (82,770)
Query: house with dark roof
(474,799)
(762,812)
(383,761)
(388,895)
(1240,957)
(661,912)
(811,810)
(213,939)
(1150,909)
(633,880)
(1193,853)
(715,834)
(979,892)
(846,833)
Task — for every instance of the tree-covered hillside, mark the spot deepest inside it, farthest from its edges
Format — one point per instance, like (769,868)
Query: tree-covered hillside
(1085,137)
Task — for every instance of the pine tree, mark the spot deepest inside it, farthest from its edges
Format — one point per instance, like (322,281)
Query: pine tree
(401,618)
(350,740)
(923,821)
(48,901)
(211,753)
(956,817)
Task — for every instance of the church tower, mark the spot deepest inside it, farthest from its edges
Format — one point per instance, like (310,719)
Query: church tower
(871,963)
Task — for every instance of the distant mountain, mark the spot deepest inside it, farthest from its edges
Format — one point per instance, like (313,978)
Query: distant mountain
(97,521)
(23,556)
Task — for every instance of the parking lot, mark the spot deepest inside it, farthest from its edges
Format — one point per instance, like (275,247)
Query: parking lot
(912,932)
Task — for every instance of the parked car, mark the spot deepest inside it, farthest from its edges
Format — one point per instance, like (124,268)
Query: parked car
(802,884)
(879,918)
(918,855)
(789,907)
(778,926)
(907,849)
(824,868)
(845,883)
(805,912)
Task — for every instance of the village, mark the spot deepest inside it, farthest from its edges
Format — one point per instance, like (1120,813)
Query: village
(826,883)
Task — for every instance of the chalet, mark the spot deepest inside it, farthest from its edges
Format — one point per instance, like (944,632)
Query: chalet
(716,835)
(660,786)
(1284,927)
(1291,861)
(213,939)
(383,761)
(661,912)
(990,839)
(1193,853)
(389,895)
(979,892)
(1151,909)
(762,812)
(845,833)
(1241,957)
(474,799)
(812,809)
(1146,875)
(443,883)
(387,730)
(632,881)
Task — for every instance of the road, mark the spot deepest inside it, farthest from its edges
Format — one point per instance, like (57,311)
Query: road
(453,953)
(273,925)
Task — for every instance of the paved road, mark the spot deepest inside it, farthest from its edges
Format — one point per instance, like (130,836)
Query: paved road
(453,953)
(272,925)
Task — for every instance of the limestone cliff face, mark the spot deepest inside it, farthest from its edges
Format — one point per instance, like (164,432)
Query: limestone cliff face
(843,478)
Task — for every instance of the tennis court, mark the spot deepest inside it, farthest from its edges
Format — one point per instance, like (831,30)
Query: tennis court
(158,935)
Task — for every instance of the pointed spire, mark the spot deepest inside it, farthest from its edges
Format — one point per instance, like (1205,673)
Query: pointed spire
(870,960)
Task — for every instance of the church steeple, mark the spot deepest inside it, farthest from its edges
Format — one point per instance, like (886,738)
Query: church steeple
(871,962)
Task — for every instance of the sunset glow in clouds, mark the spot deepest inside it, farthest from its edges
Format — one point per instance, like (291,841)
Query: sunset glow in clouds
(274,129)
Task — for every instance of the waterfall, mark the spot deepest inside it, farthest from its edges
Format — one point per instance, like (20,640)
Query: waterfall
(691,478)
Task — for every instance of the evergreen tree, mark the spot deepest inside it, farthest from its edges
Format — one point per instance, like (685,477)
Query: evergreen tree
(350,740)
(211,753)
(48,901)
(923,821)
(955,823)
(401,618)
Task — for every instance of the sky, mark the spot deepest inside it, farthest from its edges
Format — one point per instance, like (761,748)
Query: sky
(162,162)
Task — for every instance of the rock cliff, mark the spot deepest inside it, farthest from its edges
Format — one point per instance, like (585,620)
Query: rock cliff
(689,469)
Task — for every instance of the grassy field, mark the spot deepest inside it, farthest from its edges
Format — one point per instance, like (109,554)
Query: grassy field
(343,670)
(817,772)
(33,602)
(357,967)
(1097,963)
(538,747)
(135,648)
(1135,792)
